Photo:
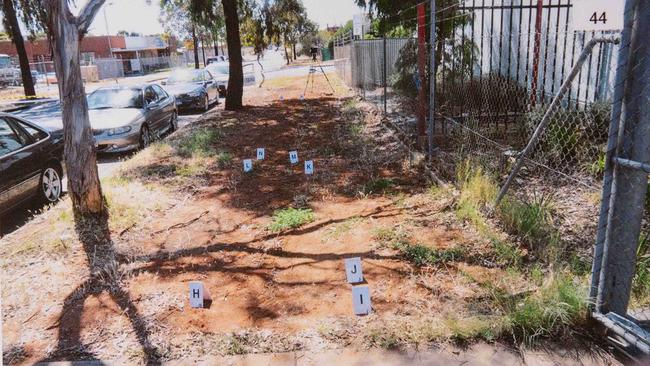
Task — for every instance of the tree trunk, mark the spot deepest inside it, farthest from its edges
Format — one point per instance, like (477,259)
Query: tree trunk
(295,57)
(203,49)
(236,79)
(286,53)
(84,187)
(196,45)
(17,38)
(215,45)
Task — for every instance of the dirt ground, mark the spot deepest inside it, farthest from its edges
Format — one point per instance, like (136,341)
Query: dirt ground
(271,291)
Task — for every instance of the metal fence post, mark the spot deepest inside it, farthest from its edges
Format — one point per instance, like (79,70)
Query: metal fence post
(432,76)
(619,88)
(536,52)
(630,184)
(385,80)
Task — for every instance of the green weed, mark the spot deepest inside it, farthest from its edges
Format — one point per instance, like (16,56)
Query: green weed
(532,221)
(553,309)
(200,142)
(422,255)
(380,185)
(641,282)
(290,218)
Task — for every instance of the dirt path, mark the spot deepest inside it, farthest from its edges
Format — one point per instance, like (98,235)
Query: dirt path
(178,218)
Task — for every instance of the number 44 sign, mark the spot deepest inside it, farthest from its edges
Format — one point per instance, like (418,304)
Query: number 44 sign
(597,14)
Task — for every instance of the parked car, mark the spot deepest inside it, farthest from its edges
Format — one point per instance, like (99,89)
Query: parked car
(31,163)
(123,118)
(193,89)
(221,73)
(213,59)
(9,75)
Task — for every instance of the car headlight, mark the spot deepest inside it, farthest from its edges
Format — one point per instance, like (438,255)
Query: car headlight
(119,130)
(195,93)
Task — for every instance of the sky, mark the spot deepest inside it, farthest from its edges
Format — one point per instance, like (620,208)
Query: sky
(137,16)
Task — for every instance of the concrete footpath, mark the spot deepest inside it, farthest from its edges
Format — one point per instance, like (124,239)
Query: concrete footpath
(476,355)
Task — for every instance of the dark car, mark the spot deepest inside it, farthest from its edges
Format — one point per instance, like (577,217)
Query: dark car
(193,89)
(123,118)
(31,163)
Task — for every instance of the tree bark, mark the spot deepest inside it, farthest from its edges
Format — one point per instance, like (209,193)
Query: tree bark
(203,49)
(196,49)
(65,32)
(236,80)
(17,38)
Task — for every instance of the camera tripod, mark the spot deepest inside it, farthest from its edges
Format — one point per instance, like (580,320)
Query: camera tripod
(313,69)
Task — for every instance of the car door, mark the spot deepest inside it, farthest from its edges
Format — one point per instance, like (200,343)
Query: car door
(167,106)
(20,165)
(153,109)
(211,86)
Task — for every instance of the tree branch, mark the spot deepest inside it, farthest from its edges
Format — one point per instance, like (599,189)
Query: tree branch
(87,14)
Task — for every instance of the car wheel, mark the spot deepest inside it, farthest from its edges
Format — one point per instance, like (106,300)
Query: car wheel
(51,185)
(145,137)
(206,107)
(173,124)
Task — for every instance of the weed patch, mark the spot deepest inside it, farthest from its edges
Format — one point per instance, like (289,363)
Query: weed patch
(290,218)
(422,255)
(200,142)
(381,186)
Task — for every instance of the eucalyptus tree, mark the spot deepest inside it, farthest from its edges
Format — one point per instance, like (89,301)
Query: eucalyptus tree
(10,22)
(288,17)
(204,10)
(176,17)
(64,32)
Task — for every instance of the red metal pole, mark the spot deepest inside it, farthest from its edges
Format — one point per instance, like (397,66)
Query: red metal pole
(422,60)
(536,51)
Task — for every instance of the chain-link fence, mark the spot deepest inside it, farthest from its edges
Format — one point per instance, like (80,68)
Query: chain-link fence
(536,105)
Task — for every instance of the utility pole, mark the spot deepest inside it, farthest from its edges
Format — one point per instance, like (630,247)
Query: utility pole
(108,33)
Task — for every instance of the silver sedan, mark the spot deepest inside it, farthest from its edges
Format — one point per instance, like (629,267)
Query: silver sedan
(125,118)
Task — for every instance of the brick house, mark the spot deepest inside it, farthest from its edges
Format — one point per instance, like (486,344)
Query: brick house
(95,47)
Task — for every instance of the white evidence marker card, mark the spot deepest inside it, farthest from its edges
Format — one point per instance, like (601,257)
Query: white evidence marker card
(197,294)
(260,154)
(248,165)
(353,271)
(309,167)
(293,157)
(361,300)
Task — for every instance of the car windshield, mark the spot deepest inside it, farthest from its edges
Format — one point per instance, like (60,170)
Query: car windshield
(115,98)
(219,69)
(185,76)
